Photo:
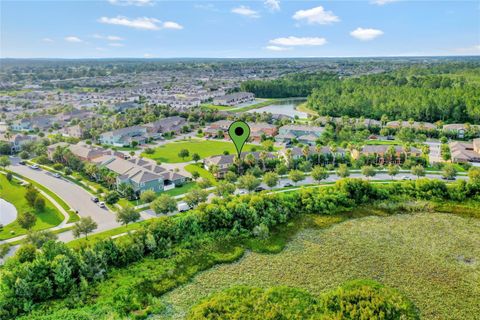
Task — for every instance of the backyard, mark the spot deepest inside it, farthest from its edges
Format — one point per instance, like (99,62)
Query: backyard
(204,148)
(14,193)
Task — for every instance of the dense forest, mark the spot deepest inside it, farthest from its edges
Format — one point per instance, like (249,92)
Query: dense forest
(404,94)
(293,85)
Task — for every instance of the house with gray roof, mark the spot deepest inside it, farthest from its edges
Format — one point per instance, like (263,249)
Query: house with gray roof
(304,134)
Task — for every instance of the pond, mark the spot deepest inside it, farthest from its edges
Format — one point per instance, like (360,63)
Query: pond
(8,212)
(285,107)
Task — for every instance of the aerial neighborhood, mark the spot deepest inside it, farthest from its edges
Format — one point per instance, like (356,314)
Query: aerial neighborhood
(136,166)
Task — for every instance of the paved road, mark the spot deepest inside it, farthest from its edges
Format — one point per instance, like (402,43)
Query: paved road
(76,197)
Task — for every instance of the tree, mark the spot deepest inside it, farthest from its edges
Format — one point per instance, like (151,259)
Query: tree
(319,173)
(39,238)
(195,157)
(164,204)
(343,171)
(39,204)
(449,171)
(112,197)
(183,154)
(195,196)
(127,215)
(85,226)
(31,195)
(26,220)
(393,170)
(224,189)
(24,155)
(248,182)
(4,162)
(270,179)
(296,176)
(474,174)
(9,176)
(369,171)
(195,175)
(418,171)
(148,196)
(204,183)
(230,176)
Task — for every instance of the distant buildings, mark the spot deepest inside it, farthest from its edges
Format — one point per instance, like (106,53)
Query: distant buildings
(413,125)
(234,99)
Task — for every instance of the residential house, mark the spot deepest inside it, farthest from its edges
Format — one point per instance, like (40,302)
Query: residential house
(459,129)
(170,124)
(234,99)
(257,130)
(125,136)
(224,162)
(465,151)
(304,134)
(386,153)
(318,151)
(124,106)
(414,125)
(17,141)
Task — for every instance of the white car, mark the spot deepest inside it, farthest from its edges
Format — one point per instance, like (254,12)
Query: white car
(406,178)
(182,207)
(35,166)
(101,204)
(56,175)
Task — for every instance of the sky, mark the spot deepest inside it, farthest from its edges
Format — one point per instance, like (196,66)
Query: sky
(237,29)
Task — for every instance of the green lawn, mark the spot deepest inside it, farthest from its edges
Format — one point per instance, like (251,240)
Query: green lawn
(181,190)
(215,107)
(383,142)
(14,193)
(205,148)
(205,174)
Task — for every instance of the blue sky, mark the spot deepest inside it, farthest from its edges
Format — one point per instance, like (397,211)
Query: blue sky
(266,28)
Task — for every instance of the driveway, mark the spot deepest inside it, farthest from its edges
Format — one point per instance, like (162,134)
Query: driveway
(75,196)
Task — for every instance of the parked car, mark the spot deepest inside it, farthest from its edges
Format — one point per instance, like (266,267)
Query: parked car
(288,184)
(406,178)
(56,175)
(35,167)
(94,199)
(182,207)
(101,204)
(258,189)
(22,162)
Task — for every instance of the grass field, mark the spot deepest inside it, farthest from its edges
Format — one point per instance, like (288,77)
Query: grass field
(433,258)
(303,108)
(14,193)
(204,174)
(205,148)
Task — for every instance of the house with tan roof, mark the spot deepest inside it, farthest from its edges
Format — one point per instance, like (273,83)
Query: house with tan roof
(465,151)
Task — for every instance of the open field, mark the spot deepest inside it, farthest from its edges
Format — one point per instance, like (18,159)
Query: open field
(205,148)
(433,258)
(14,193)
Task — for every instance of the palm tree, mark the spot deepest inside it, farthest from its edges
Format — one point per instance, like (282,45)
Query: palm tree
(318,150)
(306,152)
(263,157)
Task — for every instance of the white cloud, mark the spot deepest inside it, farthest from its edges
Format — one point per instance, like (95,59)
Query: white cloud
(475,49)
(171,25)
(299,41)
(48,40)
(109,38)
(73,39)
(382,2)
(142,23)
(147,55)
(116,44)
(138,3)
(366,34)
(246,11)
(316,15)
(100,49)
(277,48)
(273,5)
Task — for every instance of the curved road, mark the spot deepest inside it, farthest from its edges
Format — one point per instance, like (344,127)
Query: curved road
(76,197)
